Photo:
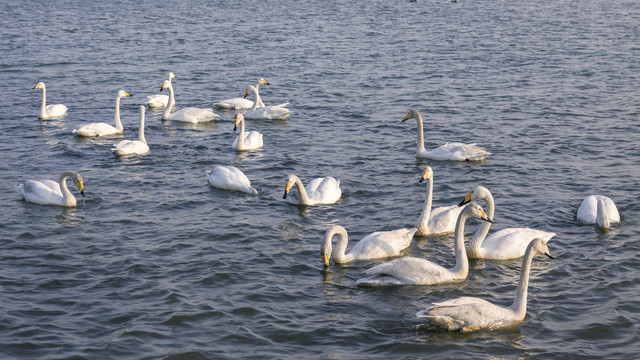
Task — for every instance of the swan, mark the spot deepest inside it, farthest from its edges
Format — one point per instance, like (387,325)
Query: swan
(471,313)
(246,141)
(320,191)
(49,192)
(49,111)
(190,114)
(104,129)
(505,244)
(230,178)
(242,103)
(415,271)
(376,245)
(598,209)
(438,221)
(449,151)
(159,101)
(267,112)
(133,147)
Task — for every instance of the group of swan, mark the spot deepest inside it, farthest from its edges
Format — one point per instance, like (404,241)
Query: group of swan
(190,114)
(259,111)
(242,103)
(104,129)
(49,111)
(159,101)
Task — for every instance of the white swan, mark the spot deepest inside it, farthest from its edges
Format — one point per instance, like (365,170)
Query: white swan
(241,103)
(598,209)
(416,271)
(319,191)
(438,221)
(449,151)
(267,112)
(49,111)
(133,147)
(48,192)
(470,313)
(190,114)
(159,101)
(104,129)
(250,140)
(230,178)
(376,245)
(505,244)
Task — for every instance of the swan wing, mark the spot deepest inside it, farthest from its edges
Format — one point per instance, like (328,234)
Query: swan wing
(588,210)
(382,244)
(467,314)
(443,219)
(55,110)
(511,243)
(407,270)
(253,140)
(235,103)
(130,147)
(324,190)
(193,115)
(157,101)
(269,112)
(230,178)
(456,151)
(96,129)
(41,192)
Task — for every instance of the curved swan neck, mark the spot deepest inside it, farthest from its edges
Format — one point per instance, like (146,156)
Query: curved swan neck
(483,230)
(601,215)
(519,305)
(67,196)
(462,262)
(304,198)
(423,224)
(339,255)
(258,103)
(420,147)
(172,101)
(141,131)
(118,122)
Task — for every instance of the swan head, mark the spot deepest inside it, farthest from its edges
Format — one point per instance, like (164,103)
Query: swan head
(475,210)
(165,84)
(540,246)
(291,179)
(478,193)
(172,76)
(413,114)
(246,91)
(40,85)
(122,93)
(77,181)
(427,174)
(239,118)
(262,81)
(326,249)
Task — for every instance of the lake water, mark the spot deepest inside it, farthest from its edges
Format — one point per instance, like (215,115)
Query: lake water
(156,264)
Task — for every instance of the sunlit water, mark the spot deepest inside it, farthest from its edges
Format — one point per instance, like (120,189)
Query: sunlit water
(157,264)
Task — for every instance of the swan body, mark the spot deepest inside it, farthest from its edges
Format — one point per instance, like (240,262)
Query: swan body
(319,191)
(267,112)
(415,271)
(376,245)
(469,313)
(159,101)
(241,103)
(190,114)
(509,243)
(450,151)
(49,111)
(104,129)
(249,140)
(48,192)
(438,221)
(230,178)
(598,209)
(133,147)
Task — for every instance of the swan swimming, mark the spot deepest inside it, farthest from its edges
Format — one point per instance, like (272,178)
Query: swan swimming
(416,271)
(241,103)
(190,114)
(449,151)
(250,140)
(268,112)
(505,244)
(133,147)
(320,191)
(230,178)
(438,221)
(159,101)
(49,111)
(376,245)
(49,192)
(470,313)
(104,129)
(598,209)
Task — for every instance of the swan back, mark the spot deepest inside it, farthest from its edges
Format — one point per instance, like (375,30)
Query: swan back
(588,210)
(230,178)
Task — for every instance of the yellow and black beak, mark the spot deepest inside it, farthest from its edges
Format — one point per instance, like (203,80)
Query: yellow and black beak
(287,187)
(549,255)
(406,117)
(163,87)
(246,93)
(425,175)
(265,82)
(37,86)
(484,217)
(235,126)
(81,188)
(126,94)
(325,259)
(467,199)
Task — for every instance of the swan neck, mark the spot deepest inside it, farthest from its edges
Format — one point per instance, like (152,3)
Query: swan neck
(43,106)
(258,100)
(241,134)
(141,131)
(258,103)
(462,262)
(339,255)
(426,212)
(172,101)
(478,238)
(67,196)
(420,147)
(118,122)
(601,215)
(304,197)
(519,305)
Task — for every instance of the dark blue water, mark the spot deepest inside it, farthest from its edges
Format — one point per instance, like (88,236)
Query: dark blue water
(157,264)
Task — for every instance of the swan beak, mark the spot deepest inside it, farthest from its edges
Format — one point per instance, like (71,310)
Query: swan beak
(549,255)
(126,94)
(37,86)
(406,117)
(81,188)
(484,217)
(425,176)
(265,82)
(467,199)
(246,93)
(287,187)
(163,87)
(325,258)
(235,126)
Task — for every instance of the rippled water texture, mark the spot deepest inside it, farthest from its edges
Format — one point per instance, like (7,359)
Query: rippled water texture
(158,264)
